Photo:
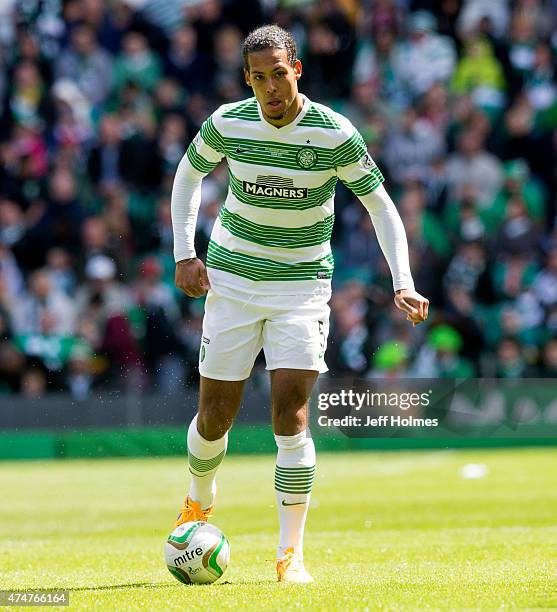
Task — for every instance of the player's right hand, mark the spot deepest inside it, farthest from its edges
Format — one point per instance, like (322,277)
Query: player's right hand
(191,277)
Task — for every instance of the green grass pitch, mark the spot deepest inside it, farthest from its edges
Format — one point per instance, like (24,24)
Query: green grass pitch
(391,531)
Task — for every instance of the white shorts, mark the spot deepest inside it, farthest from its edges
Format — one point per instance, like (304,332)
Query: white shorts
(292,333)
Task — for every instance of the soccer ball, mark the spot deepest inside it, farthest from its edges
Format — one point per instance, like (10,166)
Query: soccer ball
(197,553)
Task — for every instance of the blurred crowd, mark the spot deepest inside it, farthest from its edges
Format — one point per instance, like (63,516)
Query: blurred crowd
(456,99)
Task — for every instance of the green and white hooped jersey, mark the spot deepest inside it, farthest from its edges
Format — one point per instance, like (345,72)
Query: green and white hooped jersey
(273,232)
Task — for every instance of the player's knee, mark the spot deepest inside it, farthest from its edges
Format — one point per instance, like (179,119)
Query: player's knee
(290,417)
(291,400)
(213,421)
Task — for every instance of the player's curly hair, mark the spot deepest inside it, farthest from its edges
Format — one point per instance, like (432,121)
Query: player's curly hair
(269,37)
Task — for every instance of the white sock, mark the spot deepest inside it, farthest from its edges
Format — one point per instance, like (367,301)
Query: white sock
(204,458)
(294,473)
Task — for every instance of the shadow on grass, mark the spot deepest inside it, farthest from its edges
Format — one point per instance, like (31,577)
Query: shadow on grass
(160,585)
(127,585)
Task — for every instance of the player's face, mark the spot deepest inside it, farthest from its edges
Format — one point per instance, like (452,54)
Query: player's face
(275,84)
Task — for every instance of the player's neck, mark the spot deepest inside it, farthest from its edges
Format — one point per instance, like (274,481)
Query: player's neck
(294,110)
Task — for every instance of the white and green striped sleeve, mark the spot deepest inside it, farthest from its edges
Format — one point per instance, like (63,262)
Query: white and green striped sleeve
(202,155)
(354,165)
(357,170)
(207,148)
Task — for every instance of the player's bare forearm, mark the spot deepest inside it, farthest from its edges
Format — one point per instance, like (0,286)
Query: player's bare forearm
(415,306)
(191,277)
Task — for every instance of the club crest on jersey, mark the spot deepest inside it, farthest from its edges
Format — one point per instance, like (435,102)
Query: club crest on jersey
(306,157)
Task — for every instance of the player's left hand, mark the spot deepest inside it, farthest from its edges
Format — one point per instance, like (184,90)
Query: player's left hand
(415,306)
